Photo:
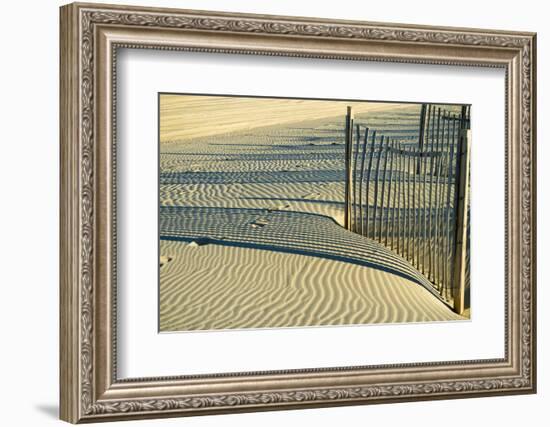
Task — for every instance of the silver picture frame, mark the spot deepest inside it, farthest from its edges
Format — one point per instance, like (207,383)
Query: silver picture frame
(90,37)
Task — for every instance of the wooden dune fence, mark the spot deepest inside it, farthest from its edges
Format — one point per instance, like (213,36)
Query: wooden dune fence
(411,196)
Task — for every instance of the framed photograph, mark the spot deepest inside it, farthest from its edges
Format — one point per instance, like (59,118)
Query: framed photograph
(268,212)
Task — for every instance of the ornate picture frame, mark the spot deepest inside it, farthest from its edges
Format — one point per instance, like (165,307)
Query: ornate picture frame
(90,37)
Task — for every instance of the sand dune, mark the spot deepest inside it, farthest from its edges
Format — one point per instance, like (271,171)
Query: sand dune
(258,207)
(281,231)
(226,288)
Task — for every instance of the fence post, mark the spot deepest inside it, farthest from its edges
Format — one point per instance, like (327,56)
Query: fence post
(421,135)
(462,221)
(348,182)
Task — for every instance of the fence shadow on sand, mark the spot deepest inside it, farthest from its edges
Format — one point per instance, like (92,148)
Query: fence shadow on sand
(282,231)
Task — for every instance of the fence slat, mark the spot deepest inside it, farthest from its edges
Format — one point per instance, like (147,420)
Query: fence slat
(354,225)
(408,204)
(424,188)
(431,249)
(393,185)
(376,181)
(448,227)
(414,258)
(400,227)
(367,228)
(348,181)
(440,240)
(361,174)
(388,221)
(382,193)
(445,202)
(437,173)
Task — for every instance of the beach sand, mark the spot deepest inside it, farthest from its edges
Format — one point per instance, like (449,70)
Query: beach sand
(251,236)
(219,287)
(191,116)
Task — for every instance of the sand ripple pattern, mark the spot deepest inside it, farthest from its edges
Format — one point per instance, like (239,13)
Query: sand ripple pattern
(282,231)
(251,236)
(214,287)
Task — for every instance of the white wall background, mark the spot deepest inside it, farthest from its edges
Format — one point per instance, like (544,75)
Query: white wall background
(29,170)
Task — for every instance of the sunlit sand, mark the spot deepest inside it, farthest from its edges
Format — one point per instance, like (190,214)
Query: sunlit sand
(250,223)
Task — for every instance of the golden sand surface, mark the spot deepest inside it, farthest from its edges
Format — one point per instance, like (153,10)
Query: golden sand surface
(184,117)
(219,193)
(218,287)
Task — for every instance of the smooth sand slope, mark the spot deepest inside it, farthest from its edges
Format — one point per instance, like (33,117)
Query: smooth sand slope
(184,117)
(250,236)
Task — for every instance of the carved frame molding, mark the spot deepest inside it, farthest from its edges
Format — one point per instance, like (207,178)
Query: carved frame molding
(90,37)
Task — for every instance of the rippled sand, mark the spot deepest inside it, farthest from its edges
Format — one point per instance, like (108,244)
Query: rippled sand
(244,244)
(220,287)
